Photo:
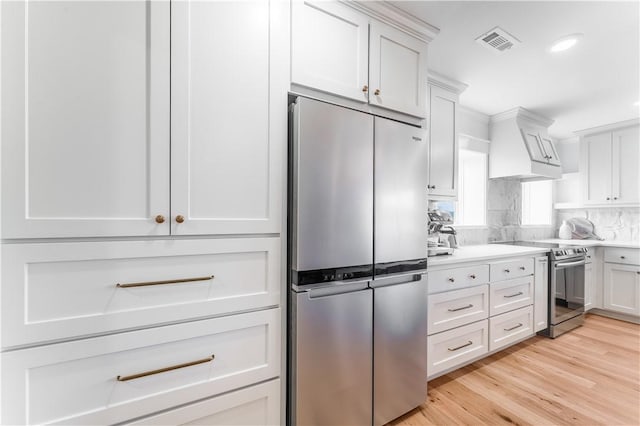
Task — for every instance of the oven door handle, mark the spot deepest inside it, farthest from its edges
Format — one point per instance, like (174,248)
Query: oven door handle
(566,265)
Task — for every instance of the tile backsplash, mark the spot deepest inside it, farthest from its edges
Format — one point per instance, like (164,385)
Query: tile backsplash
(612,223)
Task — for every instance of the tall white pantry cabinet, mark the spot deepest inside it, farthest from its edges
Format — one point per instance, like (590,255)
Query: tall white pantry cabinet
(142,168)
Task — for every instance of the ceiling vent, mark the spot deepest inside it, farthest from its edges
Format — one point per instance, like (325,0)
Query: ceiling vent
(498,40)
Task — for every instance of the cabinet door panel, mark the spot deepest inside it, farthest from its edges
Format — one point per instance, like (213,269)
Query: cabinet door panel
(229,88)
(85,114)
(550,150)
(622,288)
(534,145)
(443,162)
(397,68)
(626,174)
(596,168)
(329,48)
(541,293)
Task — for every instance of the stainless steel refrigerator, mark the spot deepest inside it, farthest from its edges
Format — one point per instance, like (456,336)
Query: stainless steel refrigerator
(357,257)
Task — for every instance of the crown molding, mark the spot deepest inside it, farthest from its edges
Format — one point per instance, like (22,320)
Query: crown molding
(608,127)
(520,112)
(479,116)
(436,79)
(396,17)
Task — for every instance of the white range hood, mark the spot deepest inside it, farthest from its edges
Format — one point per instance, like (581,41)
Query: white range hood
(521,147)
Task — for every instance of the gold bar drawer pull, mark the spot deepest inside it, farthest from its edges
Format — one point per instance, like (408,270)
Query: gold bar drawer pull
(163,370)
(459,309)
(469,343)
(514,327)
(176,281)
(514,295)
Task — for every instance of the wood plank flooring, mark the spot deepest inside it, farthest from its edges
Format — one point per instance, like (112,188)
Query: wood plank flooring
(590,376)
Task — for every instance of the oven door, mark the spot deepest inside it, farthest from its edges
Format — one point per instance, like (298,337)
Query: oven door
(567,289)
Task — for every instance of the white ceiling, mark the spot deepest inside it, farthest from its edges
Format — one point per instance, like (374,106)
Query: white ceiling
(594,83)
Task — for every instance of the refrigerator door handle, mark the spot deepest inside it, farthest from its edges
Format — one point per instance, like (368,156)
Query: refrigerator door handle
(337,287)
(403,278)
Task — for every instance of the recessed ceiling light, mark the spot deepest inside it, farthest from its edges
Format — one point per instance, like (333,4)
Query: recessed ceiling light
(565,42)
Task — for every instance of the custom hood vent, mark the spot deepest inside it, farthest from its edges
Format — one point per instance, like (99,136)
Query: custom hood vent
(497,40)
(521,147)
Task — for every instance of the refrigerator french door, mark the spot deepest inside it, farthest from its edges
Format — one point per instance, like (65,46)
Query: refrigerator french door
(357,338)
(399,285)
(331,264)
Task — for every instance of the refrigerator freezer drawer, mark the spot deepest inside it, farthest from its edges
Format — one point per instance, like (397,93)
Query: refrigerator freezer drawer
(332,358)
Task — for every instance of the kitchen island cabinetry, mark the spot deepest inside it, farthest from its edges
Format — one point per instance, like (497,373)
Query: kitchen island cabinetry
(478,308)
(358,52)
(609,165)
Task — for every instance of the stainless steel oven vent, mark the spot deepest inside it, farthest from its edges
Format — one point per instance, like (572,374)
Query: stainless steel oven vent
(497,40)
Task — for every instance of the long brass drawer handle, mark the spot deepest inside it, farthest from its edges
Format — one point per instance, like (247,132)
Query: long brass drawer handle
(513,328)
(178,281)
(163,370)
(469,343)
(459,309)
(514,295)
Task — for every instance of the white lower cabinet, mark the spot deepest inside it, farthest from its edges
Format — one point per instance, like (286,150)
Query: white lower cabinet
(508,328)
(622,288)
(53,291)
(257,405)
(115,378)
(469,317)
(457,346)
(458,307)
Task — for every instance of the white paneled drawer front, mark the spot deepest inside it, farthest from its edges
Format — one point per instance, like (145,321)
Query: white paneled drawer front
(508,328)
(454,347)
(456,278)
(629,256)
(511,269)
(61,290)
(114,378)
(257,405)
(454,308)
(511,294)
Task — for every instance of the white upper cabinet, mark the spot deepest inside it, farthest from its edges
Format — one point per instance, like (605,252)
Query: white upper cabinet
(397,70)
(85,118)
(609,167)
(549,148)
(534,144)
(339,49)
(443,158)
(143,118)
(229,80)
(330,48)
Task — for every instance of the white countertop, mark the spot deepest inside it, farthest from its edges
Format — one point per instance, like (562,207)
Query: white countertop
(483,252)
(593,243)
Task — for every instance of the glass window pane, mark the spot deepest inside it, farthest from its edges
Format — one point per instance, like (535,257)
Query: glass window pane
(537,203)
(472,188)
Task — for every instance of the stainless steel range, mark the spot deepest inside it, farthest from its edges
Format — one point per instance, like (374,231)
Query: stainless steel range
(566,285)
(566,290)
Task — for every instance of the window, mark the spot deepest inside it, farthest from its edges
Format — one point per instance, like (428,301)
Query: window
(472,188)
(537,203)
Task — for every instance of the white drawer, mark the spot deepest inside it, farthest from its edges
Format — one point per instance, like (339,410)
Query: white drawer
(454,347)
(508,295)
(629,256)
(257,405)
(57,291)
(510,327)
(459,307)
(456,278)
(511,269)
(77,382)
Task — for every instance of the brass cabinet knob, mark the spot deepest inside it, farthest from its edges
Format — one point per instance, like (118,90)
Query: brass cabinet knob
(365,88)
(507,271)
(608,198)
(472,276)
(522,268)
(451,280)
(377,92)
(179,218)
(159,219)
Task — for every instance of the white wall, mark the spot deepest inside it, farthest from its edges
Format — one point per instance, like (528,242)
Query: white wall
(473,123)
(569,153)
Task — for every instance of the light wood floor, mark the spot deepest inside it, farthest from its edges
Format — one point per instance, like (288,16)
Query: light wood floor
(590,376)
